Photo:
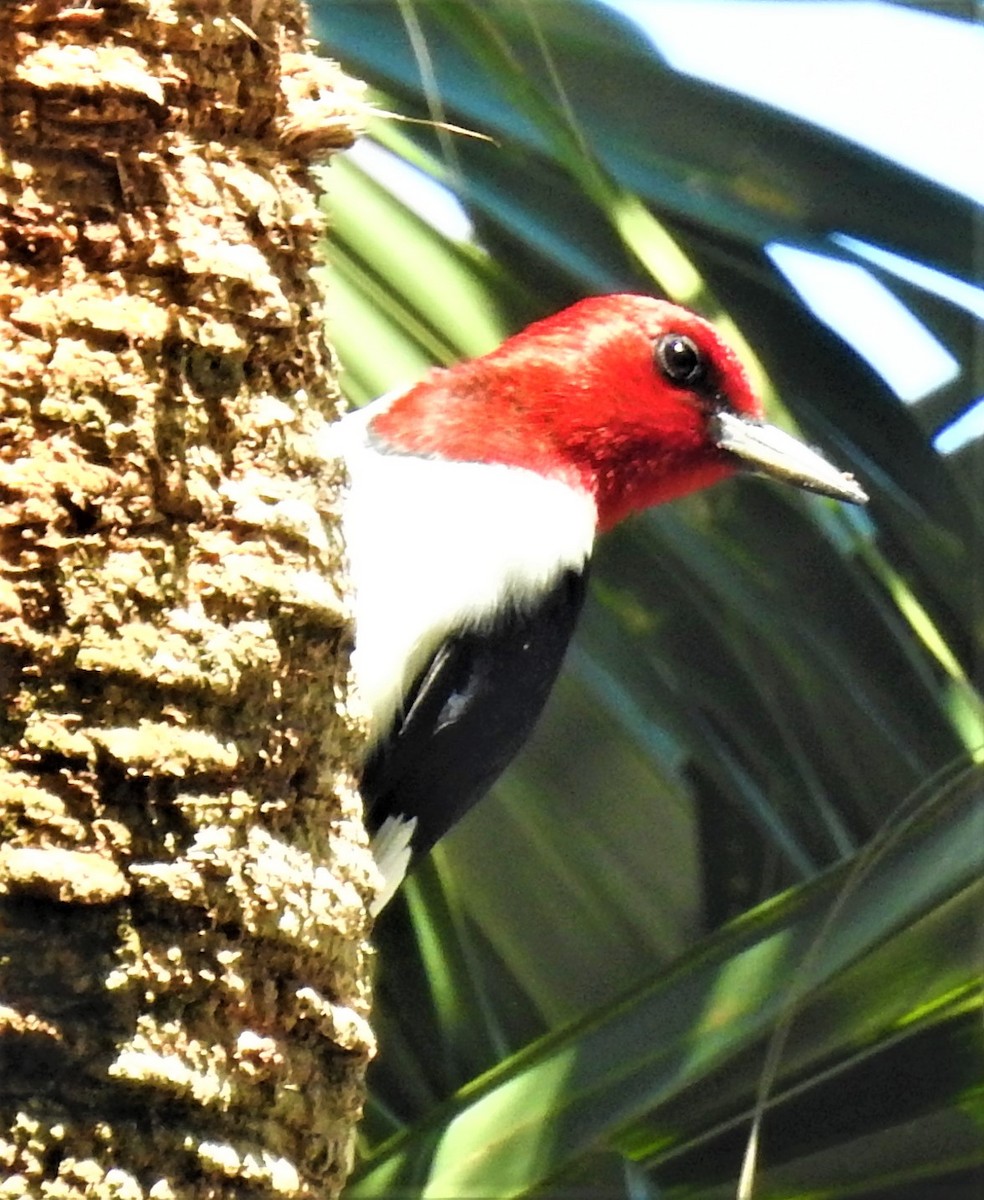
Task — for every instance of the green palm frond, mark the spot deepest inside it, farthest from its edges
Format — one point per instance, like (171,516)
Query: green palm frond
(579,990)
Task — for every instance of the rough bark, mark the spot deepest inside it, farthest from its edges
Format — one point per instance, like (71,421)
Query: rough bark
(183,875)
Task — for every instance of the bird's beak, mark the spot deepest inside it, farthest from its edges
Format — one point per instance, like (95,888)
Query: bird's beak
(769,451)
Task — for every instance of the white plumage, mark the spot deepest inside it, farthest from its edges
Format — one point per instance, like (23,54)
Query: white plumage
(437,546)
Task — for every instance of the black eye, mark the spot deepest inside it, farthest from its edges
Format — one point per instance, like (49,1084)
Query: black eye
(680,360)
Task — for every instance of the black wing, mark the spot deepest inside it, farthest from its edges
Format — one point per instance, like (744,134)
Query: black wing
(468,714)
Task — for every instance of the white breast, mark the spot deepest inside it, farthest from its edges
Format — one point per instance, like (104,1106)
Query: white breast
(437,546)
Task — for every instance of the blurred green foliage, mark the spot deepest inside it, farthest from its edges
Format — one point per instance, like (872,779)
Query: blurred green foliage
(742,857)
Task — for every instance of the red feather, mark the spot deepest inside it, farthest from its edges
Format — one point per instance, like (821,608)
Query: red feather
(580,397)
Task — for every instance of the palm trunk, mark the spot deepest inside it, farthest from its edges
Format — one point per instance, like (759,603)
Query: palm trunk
(183,966)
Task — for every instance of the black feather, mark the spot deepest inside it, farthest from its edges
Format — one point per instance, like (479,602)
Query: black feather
(469,713)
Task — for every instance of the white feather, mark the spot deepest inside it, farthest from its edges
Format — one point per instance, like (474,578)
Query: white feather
(391,850)
(437,546)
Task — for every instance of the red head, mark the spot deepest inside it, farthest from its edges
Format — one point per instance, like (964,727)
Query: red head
(619,395)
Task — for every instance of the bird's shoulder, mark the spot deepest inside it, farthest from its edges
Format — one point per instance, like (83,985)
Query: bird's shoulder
(469,711)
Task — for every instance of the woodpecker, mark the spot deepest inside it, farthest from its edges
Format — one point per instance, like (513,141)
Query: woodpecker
(473,503)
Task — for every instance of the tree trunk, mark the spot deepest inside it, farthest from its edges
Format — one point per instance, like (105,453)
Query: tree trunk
(183,873)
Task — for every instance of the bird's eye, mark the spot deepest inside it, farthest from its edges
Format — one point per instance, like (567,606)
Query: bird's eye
(680,360)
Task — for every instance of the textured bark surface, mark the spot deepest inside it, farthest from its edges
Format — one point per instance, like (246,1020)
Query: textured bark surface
(183,876)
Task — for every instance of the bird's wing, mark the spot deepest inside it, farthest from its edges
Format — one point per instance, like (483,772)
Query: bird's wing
(468,714)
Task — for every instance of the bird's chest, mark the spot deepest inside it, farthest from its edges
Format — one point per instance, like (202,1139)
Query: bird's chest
(436,548)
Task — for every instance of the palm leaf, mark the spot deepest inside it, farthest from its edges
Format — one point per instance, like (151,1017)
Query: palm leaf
(581,991)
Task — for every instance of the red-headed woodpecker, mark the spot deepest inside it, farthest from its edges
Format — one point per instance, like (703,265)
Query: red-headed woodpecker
(472,510)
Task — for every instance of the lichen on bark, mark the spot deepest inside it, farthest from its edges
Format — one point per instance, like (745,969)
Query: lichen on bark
(183,873)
